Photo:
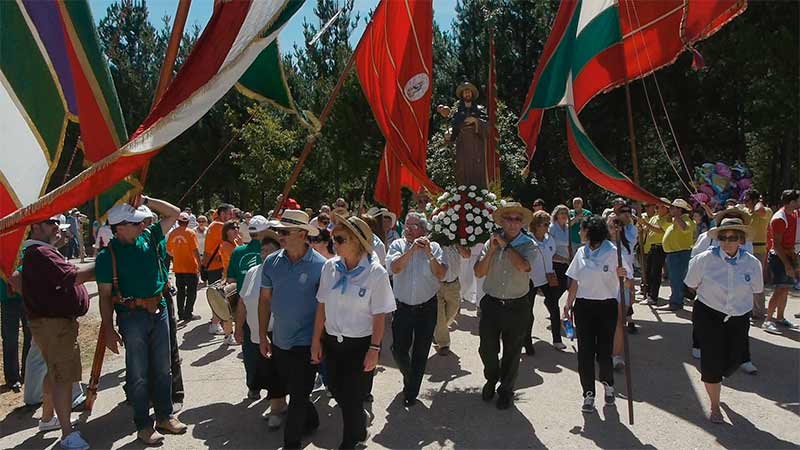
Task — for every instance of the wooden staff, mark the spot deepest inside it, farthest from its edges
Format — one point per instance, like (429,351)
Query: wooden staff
(621,314)
(164,80)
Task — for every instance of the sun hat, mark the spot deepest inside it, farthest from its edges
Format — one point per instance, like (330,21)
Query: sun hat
(127,213)
(62,224)
(183,217)
(295,218)
(360,230)
(513,207)
(733,211)
(467,85)
(729,224)
(380,212)
(682,204)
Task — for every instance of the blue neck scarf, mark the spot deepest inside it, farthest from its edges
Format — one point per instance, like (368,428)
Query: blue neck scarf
(342,269)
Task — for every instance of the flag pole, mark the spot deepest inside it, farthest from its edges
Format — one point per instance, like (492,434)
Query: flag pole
(164,80)
(621,314)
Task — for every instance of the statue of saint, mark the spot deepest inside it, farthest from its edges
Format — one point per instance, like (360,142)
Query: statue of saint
(469,130)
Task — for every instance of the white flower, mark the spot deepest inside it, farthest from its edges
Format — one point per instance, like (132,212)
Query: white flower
(478,220)
(502,203)
(470,217)
(485,213)
(451,236)
(452,213)
(456,208)
(462,188)
(478,199)
(437,228)
(442,197)
(453,227)
(471,195)
(473,188)
(467,206)
(484,191)
(478,231)
(471,238)
(446,221)
(491,196)
(463,242)
(456,198)
(469,230)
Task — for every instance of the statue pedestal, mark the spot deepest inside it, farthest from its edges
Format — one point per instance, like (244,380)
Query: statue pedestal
(471,155)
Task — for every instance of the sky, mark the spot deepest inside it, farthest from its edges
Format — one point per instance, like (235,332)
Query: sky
(200,12)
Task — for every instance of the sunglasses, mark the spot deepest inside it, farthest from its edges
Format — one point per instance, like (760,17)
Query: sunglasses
(339,240)
(283,232)
(513,219)
(125,222)
(728,238)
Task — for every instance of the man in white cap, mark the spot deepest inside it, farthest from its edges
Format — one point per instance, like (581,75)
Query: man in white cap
(130,282)
(54,296)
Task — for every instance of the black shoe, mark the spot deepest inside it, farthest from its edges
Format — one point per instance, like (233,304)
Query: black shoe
(292,445)
(191,317)
(504,401)
(409,402)
(487,394)
(529,350)
(15,386)
(369,398)
(632,328)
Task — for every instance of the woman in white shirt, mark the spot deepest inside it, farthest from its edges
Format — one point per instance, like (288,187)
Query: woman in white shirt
(725,278)
(354,297)
(594,291)
(544,278)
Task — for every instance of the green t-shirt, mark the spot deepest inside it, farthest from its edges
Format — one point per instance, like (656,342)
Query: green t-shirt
(242,259)
(137,266)
(574,230)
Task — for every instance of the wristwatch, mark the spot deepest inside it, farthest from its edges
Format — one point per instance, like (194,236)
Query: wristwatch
(145,200)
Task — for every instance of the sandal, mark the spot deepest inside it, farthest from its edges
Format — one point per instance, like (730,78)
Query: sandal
(716,417)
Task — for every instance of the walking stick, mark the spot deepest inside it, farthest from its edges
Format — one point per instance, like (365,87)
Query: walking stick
(97,367)
(621,321)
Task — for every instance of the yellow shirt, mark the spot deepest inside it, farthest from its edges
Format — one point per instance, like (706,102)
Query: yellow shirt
(758,228)
(654,237)
(676,240)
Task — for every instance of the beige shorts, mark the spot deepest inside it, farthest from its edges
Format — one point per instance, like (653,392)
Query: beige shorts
(57,338)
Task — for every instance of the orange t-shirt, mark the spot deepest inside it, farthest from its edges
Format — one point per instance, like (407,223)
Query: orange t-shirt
(226,250)
(182,245)
(213,239)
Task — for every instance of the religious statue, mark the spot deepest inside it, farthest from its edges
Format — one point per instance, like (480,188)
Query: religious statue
(468,129)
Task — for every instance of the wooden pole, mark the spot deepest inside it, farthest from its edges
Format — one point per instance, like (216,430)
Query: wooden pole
(621,314)
(164,80)
(313,138)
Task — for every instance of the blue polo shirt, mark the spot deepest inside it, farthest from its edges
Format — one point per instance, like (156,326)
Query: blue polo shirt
(294,296)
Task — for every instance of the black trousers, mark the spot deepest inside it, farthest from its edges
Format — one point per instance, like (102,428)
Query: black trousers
(724,344)
(595,324)
(214,276)
(186,283)
(345,363)
(655,265)
(297,374)
(175,357)
(412,331)
(260,372)
(12,314)
(502,320)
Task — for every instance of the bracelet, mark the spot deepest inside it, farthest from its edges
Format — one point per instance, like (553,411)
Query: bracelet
(374,347)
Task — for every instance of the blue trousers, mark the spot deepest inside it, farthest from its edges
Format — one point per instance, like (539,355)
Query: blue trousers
(12,314)
(147,364)
(677,266)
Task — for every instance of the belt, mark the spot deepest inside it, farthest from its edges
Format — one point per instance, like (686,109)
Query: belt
(150,304)
(507,301)
(415,307)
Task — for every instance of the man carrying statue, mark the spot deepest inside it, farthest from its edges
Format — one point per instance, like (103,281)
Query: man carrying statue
(468,130)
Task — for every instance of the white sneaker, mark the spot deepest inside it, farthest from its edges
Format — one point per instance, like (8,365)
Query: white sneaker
(749,368)
(230,340)
(73,442)
(215,329)
(559,346)
(609,393)
(588,403)
(769,327)
(695,353)
(50,425)
(618,362)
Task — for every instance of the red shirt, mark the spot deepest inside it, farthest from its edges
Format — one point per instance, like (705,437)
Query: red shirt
(48,285)
(786,225)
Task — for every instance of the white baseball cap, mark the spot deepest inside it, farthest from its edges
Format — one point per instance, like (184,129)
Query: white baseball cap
(258,224)
(127,213)
(147,211)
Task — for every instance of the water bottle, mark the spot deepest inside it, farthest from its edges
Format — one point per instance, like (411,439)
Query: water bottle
(569,329)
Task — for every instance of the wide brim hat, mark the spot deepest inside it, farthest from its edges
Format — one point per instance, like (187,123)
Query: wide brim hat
(360,230)
(380,212)
(295,218)
(467,85)
(665,201)
(513,207)
(682,204)
(728,224)
(733,212)
(341,211)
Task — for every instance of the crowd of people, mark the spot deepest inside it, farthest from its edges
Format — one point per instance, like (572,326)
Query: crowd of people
(308,295)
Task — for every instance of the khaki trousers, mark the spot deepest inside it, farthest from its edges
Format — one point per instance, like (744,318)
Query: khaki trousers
(449,302)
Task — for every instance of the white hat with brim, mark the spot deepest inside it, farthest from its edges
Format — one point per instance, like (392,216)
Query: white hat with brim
(682,204)
(360,230)
(381,212)
(511,208)
(730,224)
(127,213)
(733,211)
(295,218)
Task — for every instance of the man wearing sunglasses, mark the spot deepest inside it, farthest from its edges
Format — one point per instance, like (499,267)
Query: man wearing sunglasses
(506,262)
(131,283)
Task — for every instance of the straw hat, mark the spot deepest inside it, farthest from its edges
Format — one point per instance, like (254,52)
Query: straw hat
(682,204)
(513,207)
(728,224)
(360,230)
(733,211)
(381,212)
(341,211)
(467,85)
(294,218)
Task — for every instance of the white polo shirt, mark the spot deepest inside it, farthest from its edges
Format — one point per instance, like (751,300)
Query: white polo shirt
(595,271)
(349,312)
(379,249)
(539,270)
(725,284)
(250,292)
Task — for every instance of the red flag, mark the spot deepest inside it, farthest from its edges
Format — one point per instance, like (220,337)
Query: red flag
(492,157)
(393,63)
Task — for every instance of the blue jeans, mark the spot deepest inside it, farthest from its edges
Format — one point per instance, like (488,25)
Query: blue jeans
(12,313)
(677,266)
(147,364)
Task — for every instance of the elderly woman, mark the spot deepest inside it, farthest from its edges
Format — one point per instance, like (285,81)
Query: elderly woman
(594,292)
(544,278)
(725,278)
(354,297)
